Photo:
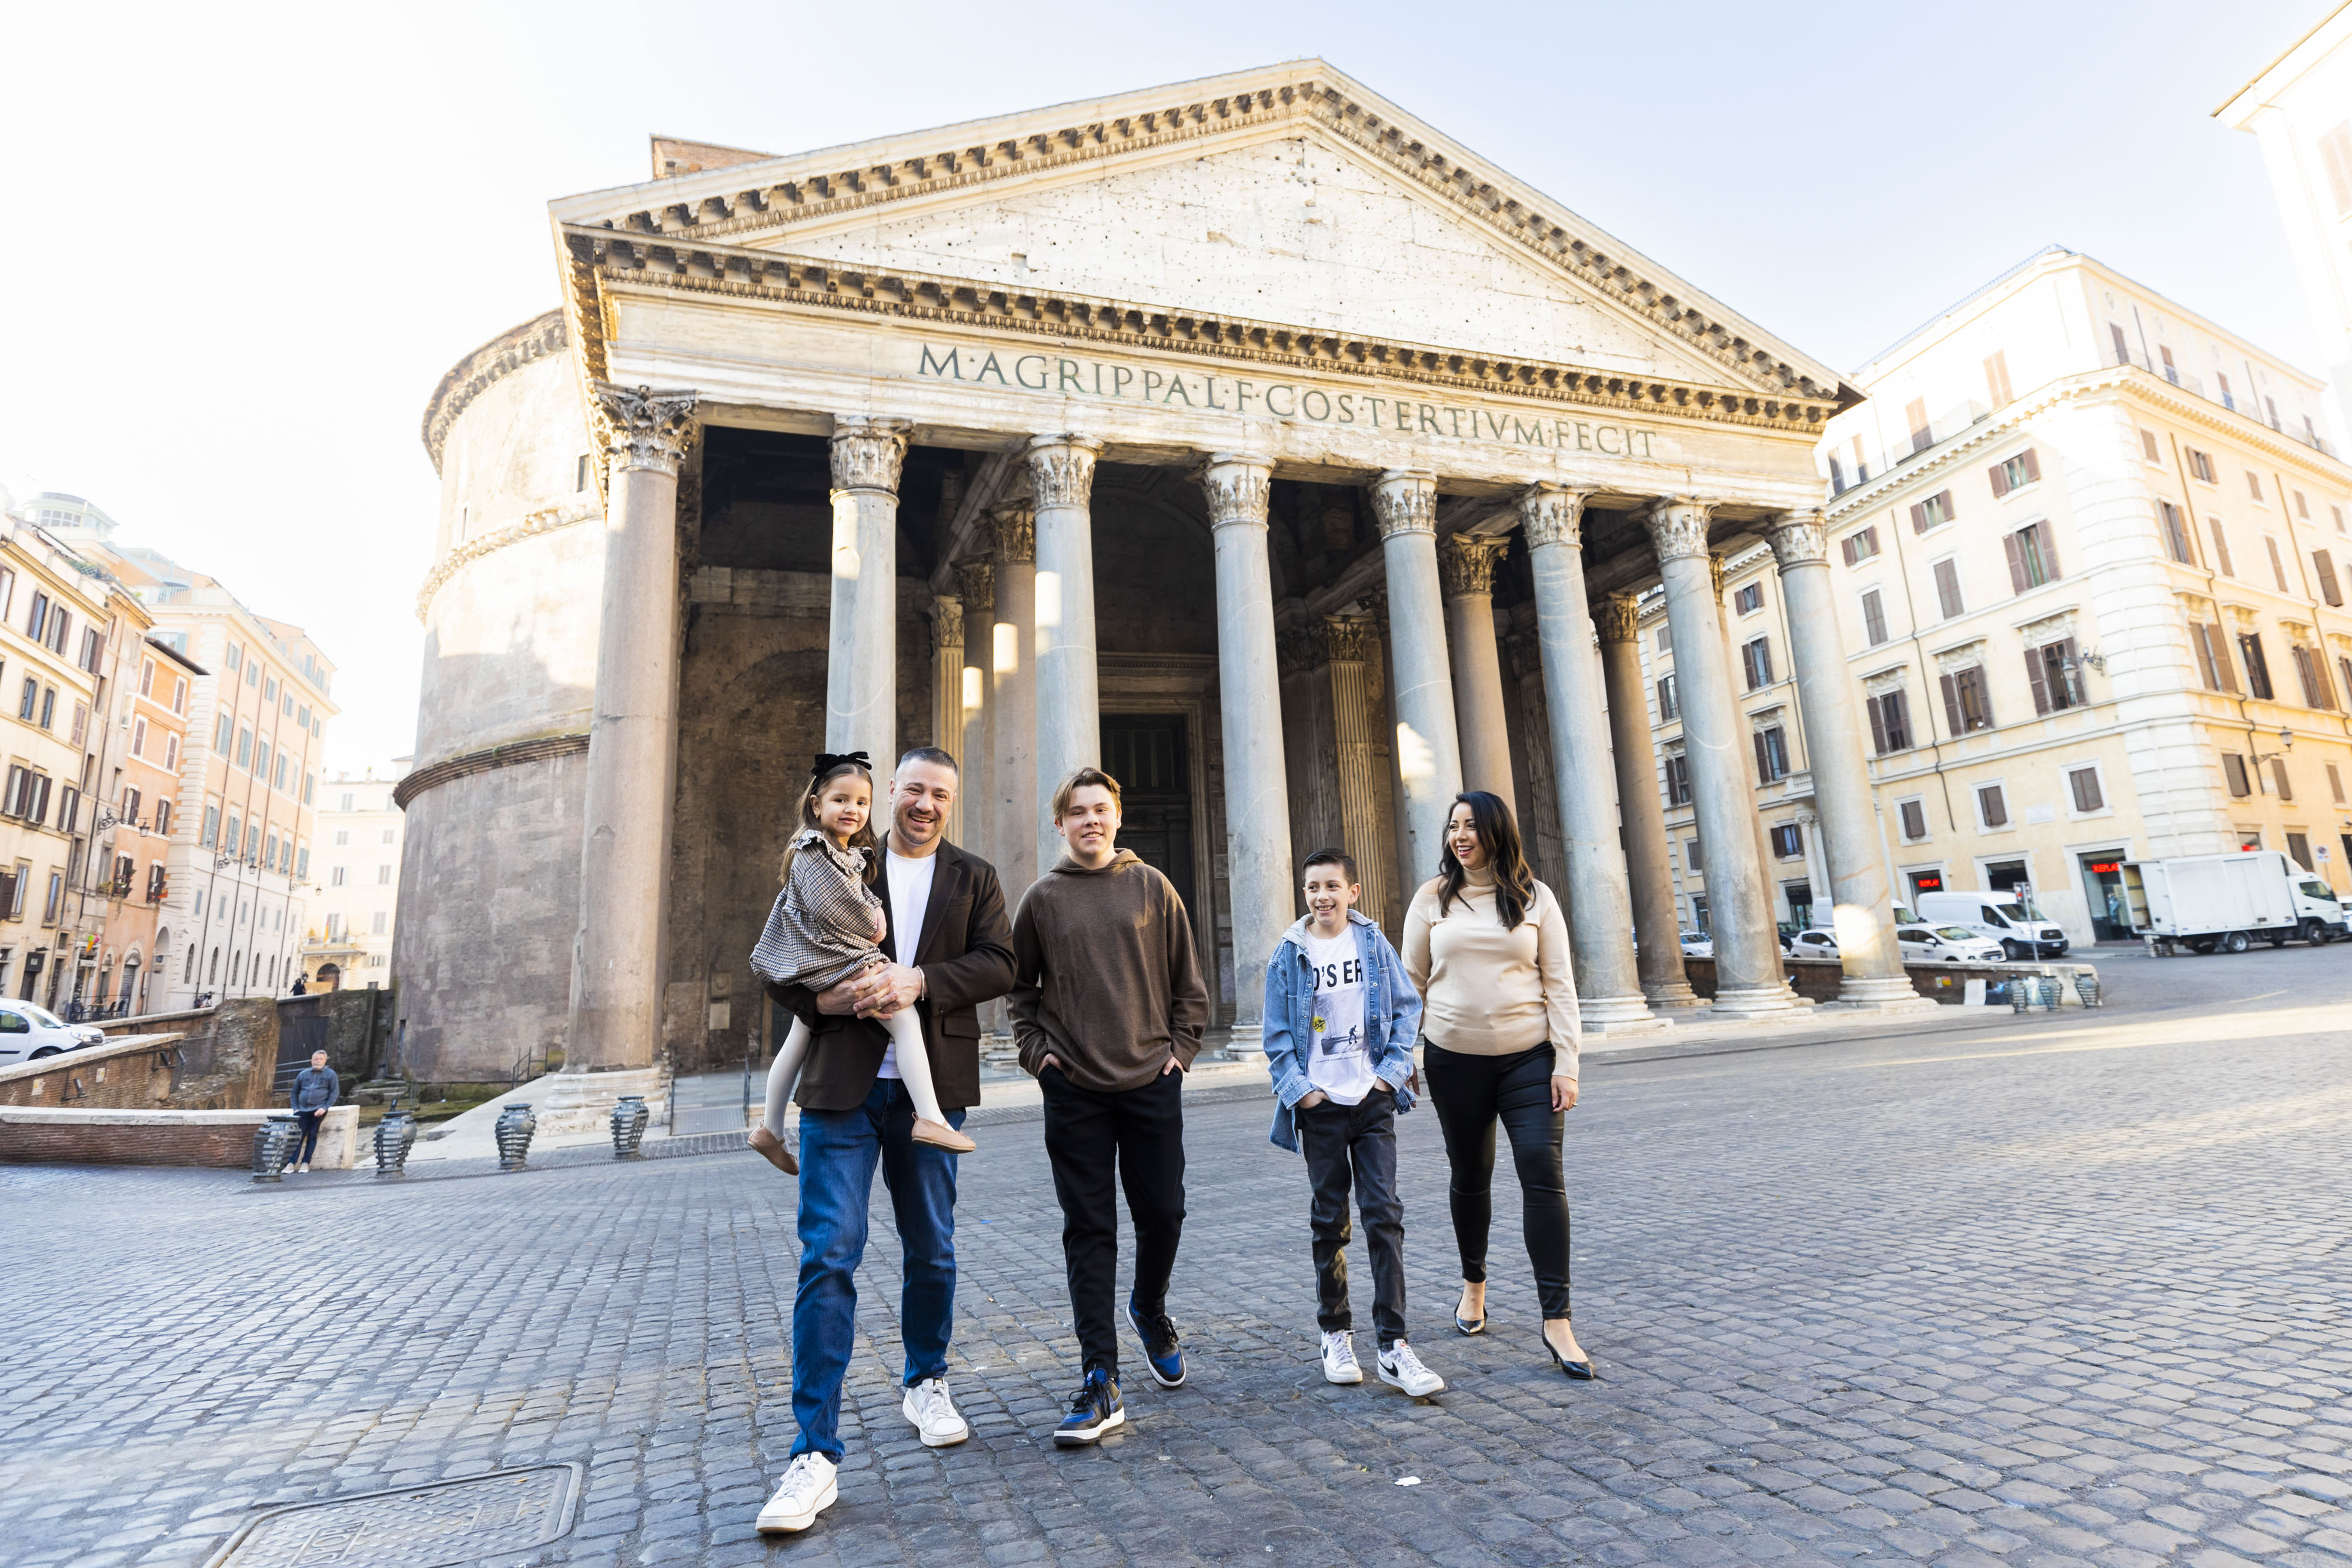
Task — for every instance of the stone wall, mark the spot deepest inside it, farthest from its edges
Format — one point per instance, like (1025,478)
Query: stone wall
(221,1059)
(217,1139)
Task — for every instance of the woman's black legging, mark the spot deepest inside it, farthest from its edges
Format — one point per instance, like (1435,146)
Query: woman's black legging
(1470,1093)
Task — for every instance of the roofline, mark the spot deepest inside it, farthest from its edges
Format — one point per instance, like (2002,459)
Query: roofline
(2205,322)
(595,208)
(175,655)
(2256,80)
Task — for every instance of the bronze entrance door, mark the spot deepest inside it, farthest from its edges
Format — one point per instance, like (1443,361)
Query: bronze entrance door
(1147,754)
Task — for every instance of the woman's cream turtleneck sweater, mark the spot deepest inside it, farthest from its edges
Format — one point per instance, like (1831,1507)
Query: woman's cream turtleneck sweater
(1486,991)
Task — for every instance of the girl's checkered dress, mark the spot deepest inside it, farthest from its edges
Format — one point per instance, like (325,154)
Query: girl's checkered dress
(821,929)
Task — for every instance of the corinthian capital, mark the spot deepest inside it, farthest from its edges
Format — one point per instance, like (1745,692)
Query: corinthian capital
(1552,516)
(868,452)
(644,428)
(978,581)
(1800,538)
(1619,619)
(1352,639)
(1016,532)
(1677,527)
(1235,484)
(946,622)
(1405,502)
(1062,469)
(1465,562)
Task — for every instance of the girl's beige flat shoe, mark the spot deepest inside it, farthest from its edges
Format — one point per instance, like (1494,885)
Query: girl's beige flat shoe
(942,1135)
(772,1148)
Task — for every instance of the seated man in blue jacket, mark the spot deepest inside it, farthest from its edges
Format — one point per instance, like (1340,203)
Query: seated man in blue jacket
(1341,1020)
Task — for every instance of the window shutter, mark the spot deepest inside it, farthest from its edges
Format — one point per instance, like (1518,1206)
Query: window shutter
(2049,572)
(1874,618)
(1944,504)
(1763,763)
(1878,728)
(2033,466)
(1918,517)
(2016,584)
(1999,474)
(2279,778)
(2034,678)
(2203,647)
(2329,589)
(1845,547)
(1952,707)
(2233,769)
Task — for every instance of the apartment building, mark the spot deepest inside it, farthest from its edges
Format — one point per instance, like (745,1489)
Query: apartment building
(54,614)
(2300,108)
(347,944)
(238,879)
(146,693)
(2091,549)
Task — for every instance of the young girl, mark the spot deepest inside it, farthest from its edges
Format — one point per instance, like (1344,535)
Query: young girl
(824,929)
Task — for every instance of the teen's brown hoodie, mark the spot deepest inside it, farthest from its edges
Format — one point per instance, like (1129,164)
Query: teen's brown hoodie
(1104,977)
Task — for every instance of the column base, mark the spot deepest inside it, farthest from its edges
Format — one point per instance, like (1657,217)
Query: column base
(583,1102)
(1676,994)
(1882,993)
(1754,1001)
(1247,1043)
(1617,1015)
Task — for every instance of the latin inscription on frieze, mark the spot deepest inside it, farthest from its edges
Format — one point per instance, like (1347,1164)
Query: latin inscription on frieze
(1289,403)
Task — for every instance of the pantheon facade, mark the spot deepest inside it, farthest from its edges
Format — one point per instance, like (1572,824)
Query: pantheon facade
(1247,437)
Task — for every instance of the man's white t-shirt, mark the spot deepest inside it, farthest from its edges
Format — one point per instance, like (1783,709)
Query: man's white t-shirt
(1337,1063)
(910,896)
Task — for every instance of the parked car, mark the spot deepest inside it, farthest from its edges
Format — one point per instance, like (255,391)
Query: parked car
(1946,945)
(1697,944)
(29,1031)
(2022,931)
(1813,943)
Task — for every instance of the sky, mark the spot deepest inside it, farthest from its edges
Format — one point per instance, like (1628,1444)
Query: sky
(242,242)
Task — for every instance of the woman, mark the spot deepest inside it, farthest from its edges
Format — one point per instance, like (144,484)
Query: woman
(1486,946)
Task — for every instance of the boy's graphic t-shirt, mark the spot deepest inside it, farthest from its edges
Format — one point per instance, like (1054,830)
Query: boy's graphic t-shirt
(1337,1062)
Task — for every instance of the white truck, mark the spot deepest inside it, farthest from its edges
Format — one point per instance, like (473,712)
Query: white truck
(2205,902)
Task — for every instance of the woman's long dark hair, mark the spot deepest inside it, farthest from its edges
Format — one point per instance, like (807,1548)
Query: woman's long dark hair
(863,839)
(1498,835)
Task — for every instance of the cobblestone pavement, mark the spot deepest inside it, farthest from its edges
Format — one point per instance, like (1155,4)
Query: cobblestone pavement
(2043,1291)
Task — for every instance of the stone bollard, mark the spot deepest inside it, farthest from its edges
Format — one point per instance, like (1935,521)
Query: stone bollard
(273,1140)
(629,1118)
(394,1136)
(515,1126)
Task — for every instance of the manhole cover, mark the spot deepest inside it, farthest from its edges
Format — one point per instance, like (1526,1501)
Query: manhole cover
(414,1527)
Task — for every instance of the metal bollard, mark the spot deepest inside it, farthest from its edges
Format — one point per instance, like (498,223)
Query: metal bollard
(394,1136)
(515,1126)
(273,1141)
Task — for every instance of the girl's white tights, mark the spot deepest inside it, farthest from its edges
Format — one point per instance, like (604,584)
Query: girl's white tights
(914,1064)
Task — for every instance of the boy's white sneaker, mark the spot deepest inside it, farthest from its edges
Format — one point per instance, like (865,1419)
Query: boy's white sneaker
(927,1404)
(1339,1358)
(1400,1368)
(806,1490)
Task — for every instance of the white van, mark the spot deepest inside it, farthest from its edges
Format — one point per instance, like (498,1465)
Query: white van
(2021,930)
(28,1030)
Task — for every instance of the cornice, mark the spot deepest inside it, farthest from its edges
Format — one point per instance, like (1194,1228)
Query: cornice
(2015,422)
(600,260)
(804,191)
(547,519)
(466,380)
(433,774)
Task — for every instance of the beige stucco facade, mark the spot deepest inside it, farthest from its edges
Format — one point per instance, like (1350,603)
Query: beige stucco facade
(347,944)
(2121,645)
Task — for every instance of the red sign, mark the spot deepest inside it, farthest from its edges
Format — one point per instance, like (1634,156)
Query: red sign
(2101,868)
(1928,884)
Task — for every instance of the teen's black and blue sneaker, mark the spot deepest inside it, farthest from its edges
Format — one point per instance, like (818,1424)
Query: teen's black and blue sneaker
(1161,1351)
(1094,1410)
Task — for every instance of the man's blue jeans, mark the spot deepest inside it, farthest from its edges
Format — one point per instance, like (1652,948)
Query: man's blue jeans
(839,1150)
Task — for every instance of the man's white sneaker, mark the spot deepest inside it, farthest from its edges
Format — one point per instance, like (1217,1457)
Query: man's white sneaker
(1339,1358)
(927,1404)
(806,1490)
(1402,1369)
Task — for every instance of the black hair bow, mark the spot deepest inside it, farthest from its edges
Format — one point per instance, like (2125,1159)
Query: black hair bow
(827,761)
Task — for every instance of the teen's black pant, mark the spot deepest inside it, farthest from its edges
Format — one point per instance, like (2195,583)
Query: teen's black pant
(1471,1093)
(1139,1134)
(1358,1141)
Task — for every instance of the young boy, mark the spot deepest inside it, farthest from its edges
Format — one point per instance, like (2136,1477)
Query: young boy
(1341,1019)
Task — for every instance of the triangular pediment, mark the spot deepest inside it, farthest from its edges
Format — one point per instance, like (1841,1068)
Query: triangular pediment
(1287,195)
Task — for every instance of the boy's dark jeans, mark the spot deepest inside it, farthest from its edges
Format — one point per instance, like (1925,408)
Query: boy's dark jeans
(1139,1134)
(1356,1140)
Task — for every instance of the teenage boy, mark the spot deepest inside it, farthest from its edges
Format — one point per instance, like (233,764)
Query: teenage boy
(1341,1019)
(1107,1007)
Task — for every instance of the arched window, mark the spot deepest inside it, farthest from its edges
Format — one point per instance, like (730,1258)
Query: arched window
(212,970)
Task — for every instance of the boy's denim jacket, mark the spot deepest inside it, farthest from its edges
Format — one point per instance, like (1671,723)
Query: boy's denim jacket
(1391,1021)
